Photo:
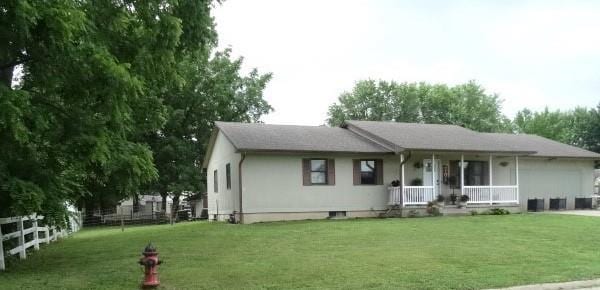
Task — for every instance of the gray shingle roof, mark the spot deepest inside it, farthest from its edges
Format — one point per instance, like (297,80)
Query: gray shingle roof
(265,137)
(544,147)
(414,136)
(392,136)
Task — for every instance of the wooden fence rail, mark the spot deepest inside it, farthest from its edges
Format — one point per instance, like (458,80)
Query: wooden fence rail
(50,234)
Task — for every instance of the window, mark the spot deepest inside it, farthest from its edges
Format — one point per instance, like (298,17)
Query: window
(476,173)
(368,171)
(318,171)
(215,181)
(228,175)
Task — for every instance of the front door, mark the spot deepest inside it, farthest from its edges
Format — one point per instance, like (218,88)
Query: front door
(428,171)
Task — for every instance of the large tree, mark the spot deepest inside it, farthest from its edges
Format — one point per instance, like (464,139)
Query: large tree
(94,74)
(466,105)
(579,127)
(215,89)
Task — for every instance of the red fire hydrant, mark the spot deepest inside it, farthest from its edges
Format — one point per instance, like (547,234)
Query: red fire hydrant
(150,262)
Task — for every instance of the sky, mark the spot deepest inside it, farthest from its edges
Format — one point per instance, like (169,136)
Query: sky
(531,53)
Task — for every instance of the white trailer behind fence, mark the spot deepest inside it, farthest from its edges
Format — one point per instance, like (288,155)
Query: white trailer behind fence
(48,234)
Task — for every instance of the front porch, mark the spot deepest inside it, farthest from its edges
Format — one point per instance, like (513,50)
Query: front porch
(486,180)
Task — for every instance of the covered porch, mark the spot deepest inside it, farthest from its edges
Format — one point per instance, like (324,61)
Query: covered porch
(487,179)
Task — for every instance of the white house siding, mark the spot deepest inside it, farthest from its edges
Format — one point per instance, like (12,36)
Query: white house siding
(226,201)
(273,189)
(555,178)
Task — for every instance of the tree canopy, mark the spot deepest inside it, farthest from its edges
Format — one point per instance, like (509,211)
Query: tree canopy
(466,105)
(214,90)
(109,93)
(579,127)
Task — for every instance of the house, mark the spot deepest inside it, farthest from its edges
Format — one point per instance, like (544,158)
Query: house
(597,181)
(143,206)
(261,172)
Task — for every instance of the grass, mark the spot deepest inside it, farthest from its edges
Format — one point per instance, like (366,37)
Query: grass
(425,253)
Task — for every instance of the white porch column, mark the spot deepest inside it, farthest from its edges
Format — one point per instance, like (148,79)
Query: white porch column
(517,175)
(462,174)
(433,174)
(490,172)
(402,178)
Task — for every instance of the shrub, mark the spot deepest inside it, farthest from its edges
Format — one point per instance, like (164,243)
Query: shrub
(433,209)
(413,213)
(499,211)
(440,198)
(464,198)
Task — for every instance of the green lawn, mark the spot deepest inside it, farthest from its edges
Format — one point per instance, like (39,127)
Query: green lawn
(424,253)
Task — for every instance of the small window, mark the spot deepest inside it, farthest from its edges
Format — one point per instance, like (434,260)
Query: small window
(215,181)
(318,171)
(368,172)
(228,175)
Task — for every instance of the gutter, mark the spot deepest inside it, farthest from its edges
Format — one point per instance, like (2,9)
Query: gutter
(240,185)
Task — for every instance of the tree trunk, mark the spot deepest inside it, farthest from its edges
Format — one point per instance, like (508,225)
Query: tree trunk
(175,207)
(163,207)
(6,75)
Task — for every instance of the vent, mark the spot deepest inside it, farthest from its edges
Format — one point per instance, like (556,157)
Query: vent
(337,214)
(583,203)
(558,203)
(535,204)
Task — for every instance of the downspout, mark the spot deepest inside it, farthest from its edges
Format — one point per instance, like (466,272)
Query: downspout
(240,185)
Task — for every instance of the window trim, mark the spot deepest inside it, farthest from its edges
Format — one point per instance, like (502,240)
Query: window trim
(228,175)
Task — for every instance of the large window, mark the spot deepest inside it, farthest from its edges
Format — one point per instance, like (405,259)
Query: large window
(476,173)
(318,171)
(215,181)
(228,175)
(368,171)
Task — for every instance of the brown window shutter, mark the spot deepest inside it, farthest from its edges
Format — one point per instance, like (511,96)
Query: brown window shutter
(356,171)
(306,172)
(379,170)
(331,171)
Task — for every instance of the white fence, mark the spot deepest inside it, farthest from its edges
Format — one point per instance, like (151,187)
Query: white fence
(50,234)
(420,195)
(412,195)
(493,194)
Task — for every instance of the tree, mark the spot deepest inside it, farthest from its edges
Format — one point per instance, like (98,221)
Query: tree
(94,76)
(466,105)
(214,90)
(579,127)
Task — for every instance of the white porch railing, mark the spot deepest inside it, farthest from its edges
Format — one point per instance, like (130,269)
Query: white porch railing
(492,194)
(412,195)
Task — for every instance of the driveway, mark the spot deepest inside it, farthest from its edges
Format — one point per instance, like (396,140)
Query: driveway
(585,212)
(574,285)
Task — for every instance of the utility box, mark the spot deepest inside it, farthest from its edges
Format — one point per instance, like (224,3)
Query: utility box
(535,204)
(583,203)
(558,203)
